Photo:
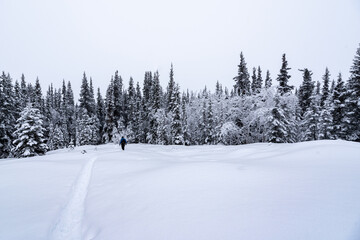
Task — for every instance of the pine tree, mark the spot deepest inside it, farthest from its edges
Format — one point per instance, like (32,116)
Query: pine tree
(100,113)
(70,109)
(325,122)
(311,120)
(17,100)
(64,118)
(259,80)
(176,124)
(92,102)
(185,121)
(138,115)
(7,115)
(305,91)
(325,88)
(117,97)
(29,132)
(109,113)
(353,100)
(85,96)
(242,82)
(24,94)
(37,100)
(339,109)
(284,77)
(210,139)
(268,80)
(155,107)
(170,91)
(253,82)
(277,123)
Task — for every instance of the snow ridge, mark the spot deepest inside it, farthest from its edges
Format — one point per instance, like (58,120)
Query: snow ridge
(69,224)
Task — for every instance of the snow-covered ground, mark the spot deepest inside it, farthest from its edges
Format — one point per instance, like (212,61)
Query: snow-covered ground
(259,191)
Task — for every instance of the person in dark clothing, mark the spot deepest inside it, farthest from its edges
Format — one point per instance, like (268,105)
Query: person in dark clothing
(123,142)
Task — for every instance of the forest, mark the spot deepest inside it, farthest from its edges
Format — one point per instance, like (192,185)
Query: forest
(256,108)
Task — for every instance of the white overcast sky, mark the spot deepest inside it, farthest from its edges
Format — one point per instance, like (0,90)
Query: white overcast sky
(58,40)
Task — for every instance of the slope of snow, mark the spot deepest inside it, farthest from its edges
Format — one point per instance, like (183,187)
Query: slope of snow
(260,191)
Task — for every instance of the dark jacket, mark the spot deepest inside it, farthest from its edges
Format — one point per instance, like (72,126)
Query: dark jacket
(123,140)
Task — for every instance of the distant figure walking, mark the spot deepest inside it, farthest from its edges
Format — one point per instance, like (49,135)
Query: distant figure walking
(123,142)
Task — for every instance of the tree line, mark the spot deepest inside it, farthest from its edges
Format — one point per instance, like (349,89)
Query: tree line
(253,110)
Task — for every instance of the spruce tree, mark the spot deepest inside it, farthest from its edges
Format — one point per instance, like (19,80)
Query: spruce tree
(24,94)
(85,96)
(7,115)
(210,139)
(353,100)
(29,134)
(259,80)
(242,82)
(70,109)
(325,89)
(339,109)
(109,113)
(277,132)
(305,91)
(253,82)
(37,100)
(170,91)
(100,113)
(326,122)
(311,120)
(176,124)
(117,96)
(284,77)
(268,80)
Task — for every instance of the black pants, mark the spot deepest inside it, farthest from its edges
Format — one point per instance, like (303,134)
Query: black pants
(123,146)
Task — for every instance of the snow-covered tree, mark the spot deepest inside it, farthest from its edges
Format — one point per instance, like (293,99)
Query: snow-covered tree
(353,100)
(29,134)
(242,81)
(284,77)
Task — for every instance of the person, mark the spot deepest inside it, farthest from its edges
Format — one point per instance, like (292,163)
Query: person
(123,142)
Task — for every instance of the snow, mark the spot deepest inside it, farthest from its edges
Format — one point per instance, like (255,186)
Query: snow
(307,190)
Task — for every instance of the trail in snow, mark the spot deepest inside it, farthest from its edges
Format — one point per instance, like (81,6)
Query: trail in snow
(69,224)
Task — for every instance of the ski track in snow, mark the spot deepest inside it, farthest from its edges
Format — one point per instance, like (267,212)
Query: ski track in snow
(70,222)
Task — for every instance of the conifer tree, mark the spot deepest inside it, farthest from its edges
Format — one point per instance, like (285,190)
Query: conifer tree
(305,91)
(268,80)
(170,91)
(24,94)
(109,113)
(85,96)
(117,97)
(259,80)
(325,89)
(242,82)
(210,139)
(37,99)
(353,100)
(284,77)
(29,134)
(70,109)
(92,102)
(176,124)
(325,122)
(339,109)
(185,121)
(311,120)
(100,113)
(253,82)
(7,115)
(277,123)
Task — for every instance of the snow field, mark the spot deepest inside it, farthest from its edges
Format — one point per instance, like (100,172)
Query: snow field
(260,191)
